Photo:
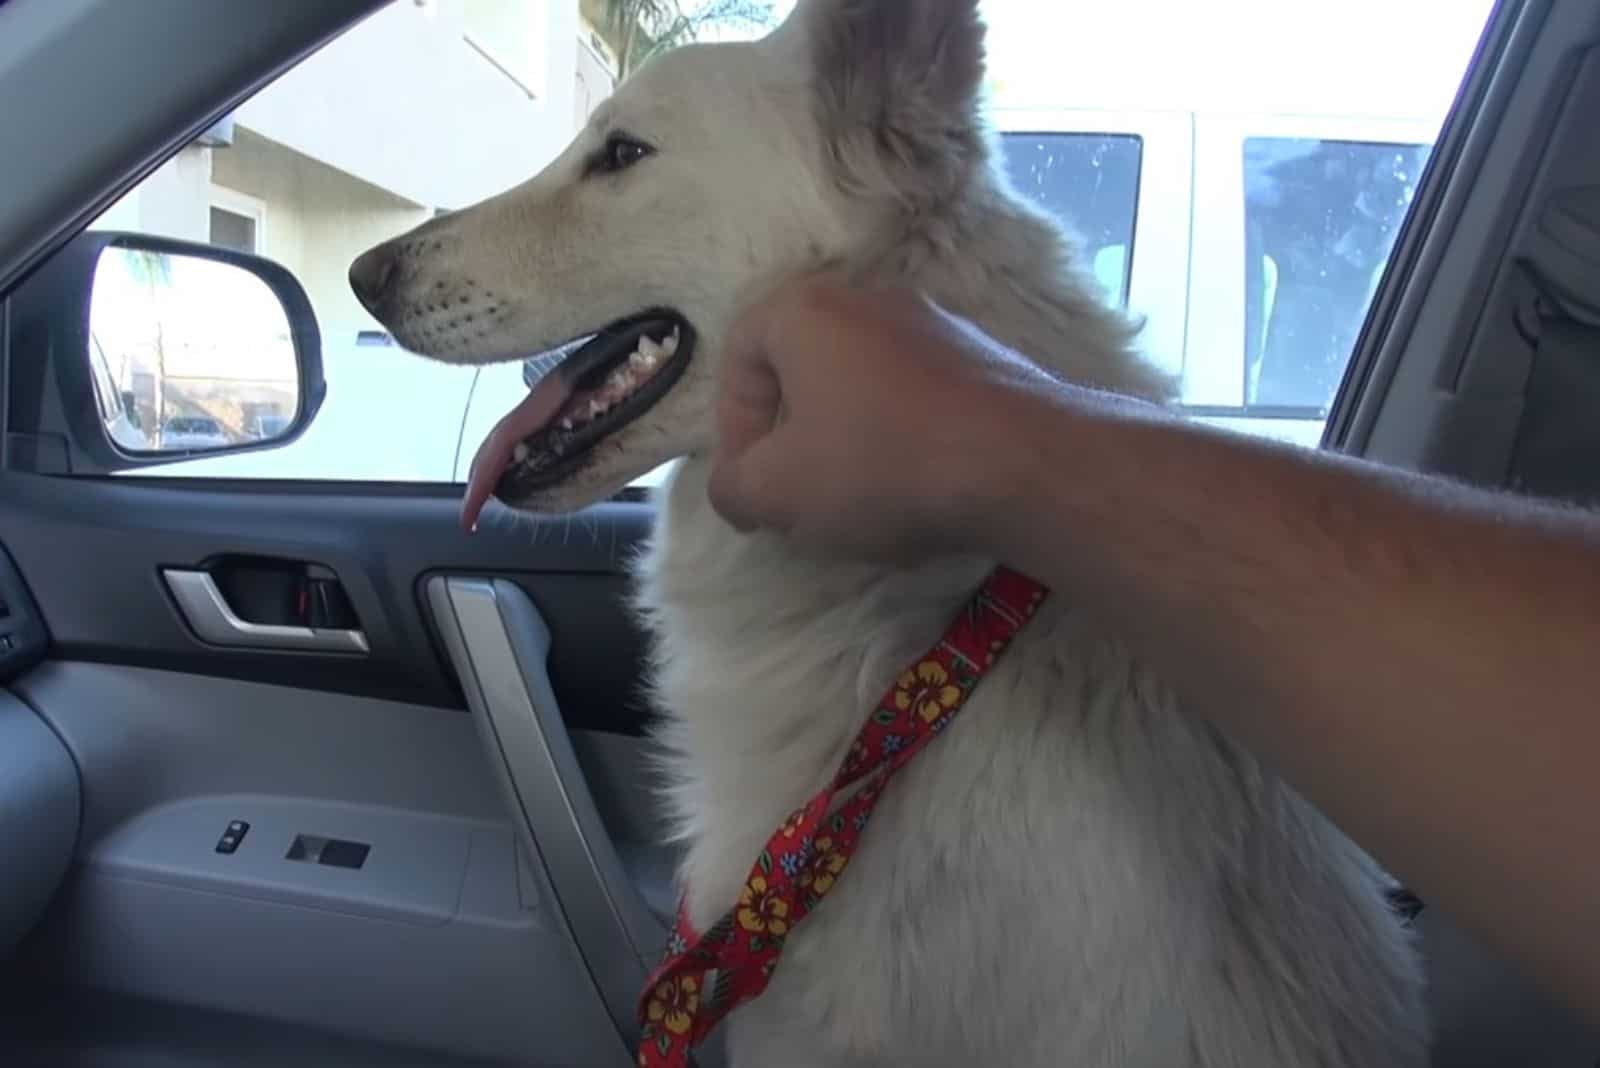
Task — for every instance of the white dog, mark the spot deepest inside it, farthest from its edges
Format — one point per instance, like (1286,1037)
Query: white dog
(1075,873)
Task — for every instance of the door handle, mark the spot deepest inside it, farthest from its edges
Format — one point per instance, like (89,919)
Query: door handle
(207,611)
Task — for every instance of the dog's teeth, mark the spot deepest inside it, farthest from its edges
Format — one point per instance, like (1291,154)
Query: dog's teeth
(639,361)
(669,347)
(596,408)
(566,424)
(649,349)
(520,453)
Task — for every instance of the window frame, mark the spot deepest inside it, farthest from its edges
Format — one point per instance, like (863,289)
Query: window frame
(1158,279)
(221,198)
(1214,377)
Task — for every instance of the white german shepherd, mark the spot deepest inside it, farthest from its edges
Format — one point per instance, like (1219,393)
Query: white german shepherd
(1076,874)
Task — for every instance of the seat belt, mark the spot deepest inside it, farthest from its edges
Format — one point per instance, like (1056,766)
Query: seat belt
(1557,449)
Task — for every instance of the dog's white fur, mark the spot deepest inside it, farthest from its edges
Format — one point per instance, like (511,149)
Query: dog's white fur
(1075,874)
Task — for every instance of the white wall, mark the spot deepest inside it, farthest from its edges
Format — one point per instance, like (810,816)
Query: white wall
(1373,58)
(512,33)
(174,201)
(361,142)
(404,102)
(317,219)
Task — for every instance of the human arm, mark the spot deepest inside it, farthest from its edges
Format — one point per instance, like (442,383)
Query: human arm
(1422,660)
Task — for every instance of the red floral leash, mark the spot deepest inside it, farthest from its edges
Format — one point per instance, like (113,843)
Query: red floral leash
(704,977)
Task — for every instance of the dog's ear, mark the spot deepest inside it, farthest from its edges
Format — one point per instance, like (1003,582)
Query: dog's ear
(899,85)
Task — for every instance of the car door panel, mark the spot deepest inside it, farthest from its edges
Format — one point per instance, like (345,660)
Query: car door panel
(463,931)
(500,643)
(39,802)
(380,542)
(444,938)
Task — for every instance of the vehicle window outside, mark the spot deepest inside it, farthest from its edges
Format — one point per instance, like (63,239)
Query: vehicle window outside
(1091,183)
(339,154)
(1321,218)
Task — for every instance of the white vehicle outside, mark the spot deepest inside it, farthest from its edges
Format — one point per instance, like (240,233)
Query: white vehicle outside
(267,427)
(1252,282)
(192,432)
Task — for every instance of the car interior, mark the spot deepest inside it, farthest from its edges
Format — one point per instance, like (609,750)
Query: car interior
(294,772)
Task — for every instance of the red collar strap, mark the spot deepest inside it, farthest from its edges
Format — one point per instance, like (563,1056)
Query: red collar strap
(704,977)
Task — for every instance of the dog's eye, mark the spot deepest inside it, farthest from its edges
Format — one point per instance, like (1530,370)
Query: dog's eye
(620,153)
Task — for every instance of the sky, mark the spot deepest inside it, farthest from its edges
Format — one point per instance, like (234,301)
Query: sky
(1391,58)
(216,321)
(1398,58)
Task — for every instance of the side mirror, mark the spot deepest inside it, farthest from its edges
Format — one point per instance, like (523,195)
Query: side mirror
(164,350)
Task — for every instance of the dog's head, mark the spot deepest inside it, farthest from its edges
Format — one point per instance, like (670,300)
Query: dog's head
(714,171)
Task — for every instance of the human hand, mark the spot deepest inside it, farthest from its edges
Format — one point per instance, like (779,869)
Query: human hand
(858,422)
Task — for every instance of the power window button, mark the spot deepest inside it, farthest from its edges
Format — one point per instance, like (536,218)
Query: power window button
(229,842)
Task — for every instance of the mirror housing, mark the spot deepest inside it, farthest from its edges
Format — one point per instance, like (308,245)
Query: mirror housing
(75,407)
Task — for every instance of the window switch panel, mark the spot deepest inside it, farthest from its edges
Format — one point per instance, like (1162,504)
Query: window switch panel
(330,852)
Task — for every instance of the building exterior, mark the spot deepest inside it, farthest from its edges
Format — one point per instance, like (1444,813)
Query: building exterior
(427,106)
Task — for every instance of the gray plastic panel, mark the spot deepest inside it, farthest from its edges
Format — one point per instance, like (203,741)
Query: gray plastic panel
(148,738)
(618,771)
(1566,248)
(1486,1015)
(414,873)
(444,940)
(500,646)
(40,1028)
(494,990)
(38,817)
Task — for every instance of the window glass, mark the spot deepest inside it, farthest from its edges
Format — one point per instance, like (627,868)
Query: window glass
(341,153)
(1091,183)
(1321,218)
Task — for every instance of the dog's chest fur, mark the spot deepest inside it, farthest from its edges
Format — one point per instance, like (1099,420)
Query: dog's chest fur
(1072,874)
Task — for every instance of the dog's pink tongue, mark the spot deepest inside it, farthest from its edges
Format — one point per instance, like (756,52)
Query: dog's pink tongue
(494,455)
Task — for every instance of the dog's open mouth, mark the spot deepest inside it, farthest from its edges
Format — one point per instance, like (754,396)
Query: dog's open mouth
(602,382)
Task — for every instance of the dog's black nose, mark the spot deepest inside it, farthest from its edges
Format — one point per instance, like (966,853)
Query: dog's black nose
(371,274)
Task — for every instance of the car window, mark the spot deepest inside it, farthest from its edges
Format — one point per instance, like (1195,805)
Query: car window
(1257,262)
(1090,182)
(1321,218)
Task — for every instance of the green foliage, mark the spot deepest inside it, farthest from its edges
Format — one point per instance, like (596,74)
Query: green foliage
(639,29)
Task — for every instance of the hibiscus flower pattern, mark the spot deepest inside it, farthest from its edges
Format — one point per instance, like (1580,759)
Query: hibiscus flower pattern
(927,690)
(673,1004)
(791,826)
(761,911)
(706,975)
(827,863)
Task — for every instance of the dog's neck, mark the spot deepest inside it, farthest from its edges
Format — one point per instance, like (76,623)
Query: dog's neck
(997,262)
